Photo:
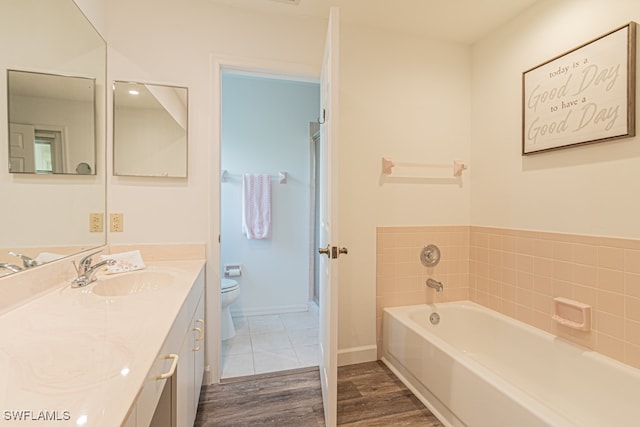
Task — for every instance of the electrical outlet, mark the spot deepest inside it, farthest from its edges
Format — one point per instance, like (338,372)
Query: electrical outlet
(116,221)
(96,222)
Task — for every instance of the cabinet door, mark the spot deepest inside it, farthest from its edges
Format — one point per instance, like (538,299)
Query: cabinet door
(184,378)
(131,418)
(191,369)
(198,353)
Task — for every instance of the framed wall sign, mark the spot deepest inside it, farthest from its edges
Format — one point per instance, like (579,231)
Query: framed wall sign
(583,96)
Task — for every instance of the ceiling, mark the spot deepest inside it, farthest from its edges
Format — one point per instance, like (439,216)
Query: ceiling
(52,86)
(463,21)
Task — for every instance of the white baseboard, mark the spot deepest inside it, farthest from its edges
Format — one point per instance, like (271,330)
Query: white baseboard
(353,355)
(262,311)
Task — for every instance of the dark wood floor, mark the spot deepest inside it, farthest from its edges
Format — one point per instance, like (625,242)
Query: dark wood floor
(368,395)
(289,399)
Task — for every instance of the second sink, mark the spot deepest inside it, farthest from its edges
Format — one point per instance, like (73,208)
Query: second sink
(135,282)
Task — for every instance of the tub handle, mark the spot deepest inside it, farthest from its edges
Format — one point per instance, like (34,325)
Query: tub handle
(430,256)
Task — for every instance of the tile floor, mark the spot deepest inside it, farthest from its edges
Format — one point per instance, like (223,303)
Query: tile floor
(271,343)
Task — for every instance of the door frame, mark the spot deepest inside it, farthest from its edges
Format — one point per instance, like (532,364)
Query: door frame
(255,66)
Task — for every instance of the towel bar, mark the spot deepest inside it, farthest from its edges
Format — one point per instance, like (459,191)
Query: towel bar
(388,164)
(282,176)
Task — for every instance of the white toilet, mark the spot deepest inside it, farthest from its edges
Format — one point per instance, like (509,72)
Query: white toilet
(230,292)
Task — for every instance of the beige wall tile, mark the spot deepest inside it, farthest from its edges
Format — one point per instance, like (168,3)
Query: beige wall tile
(509,244)
(482,240)
(510,260)
(584,294)
(585,274)
(632,308)
(632,284)
(509,292)
(563,270)
(610,346)
(525,263)
(632,355)
(543,303)
(525,297)
(543,248)
(632,261)
(543,285)
(525,245)
(561,289)
(542,320)
(585,254)
(543,267)
(563,251)
(525,280)
(610,324)
(632,332)
(610,302)
(518,272)
(495,242)
(510,276)
(610,280)
(611,258)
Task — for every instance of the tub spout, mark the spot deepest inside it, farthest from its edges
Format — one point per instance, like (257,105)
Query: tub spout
(434,284)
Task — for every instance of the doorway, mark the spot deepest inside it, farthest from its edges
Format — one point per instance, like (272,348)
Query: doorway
(265,131)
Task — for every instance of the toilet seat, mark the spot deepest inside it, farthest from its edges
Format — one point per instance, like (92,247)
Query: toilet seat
(228,285)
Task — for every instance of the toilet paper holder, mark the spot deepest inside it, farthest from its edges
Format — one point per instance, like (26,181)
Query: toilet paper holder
(232,270)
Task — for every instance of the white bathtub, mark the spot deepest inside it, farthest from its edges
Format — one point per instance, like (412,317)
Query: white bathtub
(480,368)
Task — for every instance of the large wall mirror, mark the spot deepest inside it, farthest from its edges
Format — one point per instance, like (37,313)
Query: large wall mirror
(149,130)
(50,58)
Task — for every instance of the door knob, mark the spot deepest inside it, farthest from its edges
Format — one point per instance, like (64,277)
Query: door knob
(333,252)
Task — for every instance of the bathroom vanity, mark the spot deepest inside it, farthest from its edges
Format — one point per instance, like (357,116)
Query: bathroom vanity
(125,350)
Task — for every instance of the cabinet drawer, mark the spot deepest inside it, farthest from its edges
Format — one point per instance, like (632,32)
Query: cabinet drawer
(149,396)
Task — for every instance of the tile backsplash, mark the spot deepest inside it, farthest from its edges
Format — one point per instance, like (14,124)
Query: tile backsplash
(518,273)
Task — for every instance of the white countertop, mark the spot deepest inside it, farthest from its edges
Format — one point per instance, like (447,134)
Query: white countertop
(80,358)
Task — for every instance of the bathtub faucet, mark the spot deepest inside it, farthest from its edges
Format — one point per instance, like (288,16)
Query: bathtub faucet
(434,284)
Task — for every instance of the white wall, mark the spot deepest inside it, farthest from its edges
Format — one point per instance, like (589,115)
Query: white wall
(96,12)
(150,142)
(585,190)
(265,129)
(408,98)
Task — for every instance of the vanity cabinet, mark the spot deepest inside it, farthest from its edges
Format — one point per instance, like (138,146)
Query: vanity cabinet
(169,395)
(191,370)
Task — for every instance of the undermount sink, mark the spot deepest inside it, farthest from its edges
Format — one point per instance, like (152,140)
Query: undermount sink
(135,282)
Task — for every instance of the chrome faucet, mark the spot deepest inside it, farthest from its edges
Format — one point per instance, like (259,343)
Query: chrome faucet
(434,284)
(11,267)
(26,261)
(87,271)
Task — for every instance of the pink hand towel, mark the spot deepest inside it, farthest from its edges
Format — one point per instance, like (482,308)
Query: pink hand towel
(256,206)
